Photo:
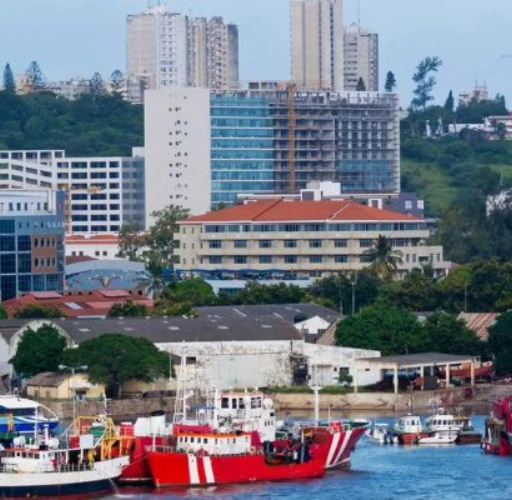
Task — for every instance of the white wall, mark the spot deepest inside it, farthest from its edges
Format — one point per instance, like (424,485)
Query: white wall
(177,143)
(237,364)
(325,362)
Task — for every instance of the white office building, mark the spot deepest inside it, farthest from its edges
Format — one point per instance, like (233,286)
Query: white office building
(103,193)
(317,44)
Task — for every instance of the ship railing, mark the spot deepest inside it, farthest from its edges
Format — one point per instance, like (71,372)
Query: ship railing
(48,469)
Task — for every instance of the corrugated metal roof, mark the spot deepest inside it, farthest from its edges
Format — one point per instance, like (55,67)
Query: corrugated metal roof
(479,322)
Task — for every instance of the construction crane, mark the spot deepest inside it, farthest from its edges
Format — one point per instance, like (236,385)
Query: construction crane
(292,125)
(69,189)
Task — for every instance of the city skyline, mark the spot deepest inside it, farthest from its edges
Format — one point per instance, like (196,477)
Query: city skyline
(97,42)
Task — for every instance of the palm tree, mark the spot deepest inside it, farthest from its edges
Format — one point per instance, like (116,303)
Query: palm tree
(384,260)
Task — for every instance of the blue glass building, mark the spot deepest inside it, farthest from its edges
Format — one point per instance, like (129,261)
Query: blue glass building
(276,141)
(32,229)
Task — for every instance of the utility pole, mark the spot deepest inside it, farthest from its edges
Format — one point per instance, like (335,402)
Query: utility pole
(73,370)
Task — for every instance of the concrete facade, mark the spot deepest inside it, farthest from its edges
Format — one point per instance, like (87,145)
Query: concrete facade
(317,44)
(284,243)
(103,193)
(168,49)
(361,58)
(177,144)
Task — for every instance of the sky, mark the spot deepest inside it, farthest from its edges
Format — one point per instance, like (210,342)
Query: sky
(79,37)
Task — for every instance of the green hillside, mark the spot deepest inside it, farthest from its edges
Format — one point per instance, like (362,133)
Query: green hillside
(441,171)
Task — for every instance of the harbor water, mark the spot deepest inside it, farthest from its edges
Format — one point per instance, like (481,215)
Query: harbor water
(380,473)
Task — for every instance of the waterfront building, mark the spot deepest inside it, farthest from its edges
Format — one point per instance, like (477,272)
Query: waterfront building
(361,58)
(317,44)
(266,141)
(235,347)
(31,242)
(168,49)
(277,237)
(102,193)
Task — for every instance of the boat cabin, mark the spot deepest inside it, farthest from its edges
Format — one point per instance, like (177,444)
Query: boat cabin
(409,423)
(214,444)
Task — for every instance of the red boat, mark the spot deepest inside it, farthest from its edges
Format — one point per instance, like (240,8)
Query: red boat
(205,459)
(498,428)
(235,412)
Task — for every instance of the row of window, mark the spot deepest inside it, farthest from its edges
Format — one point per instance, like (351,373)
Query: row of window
(45,262)
(323,227)
(218,244)
(8,226)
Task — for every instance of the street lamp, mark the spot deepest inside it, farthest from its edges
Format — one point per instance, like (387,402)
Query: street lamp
(73,370)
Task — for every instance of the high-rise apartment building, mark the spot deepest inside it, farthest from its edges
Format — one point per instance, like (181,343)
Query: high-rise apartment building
(361,58)
(167,49)
(317,44)
(204,148)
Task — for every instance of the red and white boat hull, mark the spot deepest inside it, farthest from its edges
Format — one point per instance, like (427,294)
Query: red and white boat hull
(186,469)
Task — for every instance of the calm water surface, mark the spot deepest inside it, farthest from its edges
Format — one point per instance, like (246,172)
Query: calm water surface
(381,473)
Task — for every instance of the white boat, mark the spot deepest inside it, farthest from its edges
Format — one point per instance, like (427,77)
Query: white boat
(42,468)
(23,416)
(439,439)
(409,429)
(379,433)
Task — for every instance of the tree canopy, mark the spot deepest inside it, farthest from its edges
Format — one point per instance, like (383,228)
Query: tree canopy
(39,351)
(88,126)
(34,311)
(361,85)
(500,343)
(425,81)
(390,84)
(392,330)
(128,309)
(113,359)
(9,81)
(384,259)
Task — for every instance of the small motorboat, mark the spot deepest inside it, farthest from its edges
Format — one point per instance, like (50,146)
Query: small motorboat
(438,438)
(409,430)
(379,433)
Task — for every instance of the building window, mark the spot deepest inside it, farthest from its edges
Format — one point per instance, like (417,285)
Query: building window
(315,243)
(240,259)
(8,263)
(340,243)
(265,259)
(7,244)
(290,243)
(240,244)
(215,259)
(290,259)
(215,244)
(340,259)
(315,259)
(365,243)
(265,244)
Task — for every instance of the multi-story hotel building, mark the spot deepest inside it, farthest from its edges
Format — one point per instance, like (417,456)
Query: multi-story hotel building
(103,193)
(204,148)
(167,49)
(305,237)
(361,58)
(31,242)
(317,44)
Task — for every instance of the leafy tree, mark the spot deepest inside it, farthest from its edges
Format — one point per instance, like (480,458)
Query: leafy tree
(381,327)
(449,105)
(161,238)
(35,79)
(98,88)
(500,343)
(425,82)
(444,333)
(3,312)
(416,292)
(361,85)
(476,110)
(196,291)
(155,286)
(255,293)
(390,84)
(34,311)
(128,309)
(131,243)
(117,82)
(384,260)
(9,81)
(39,351)
(113,359)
